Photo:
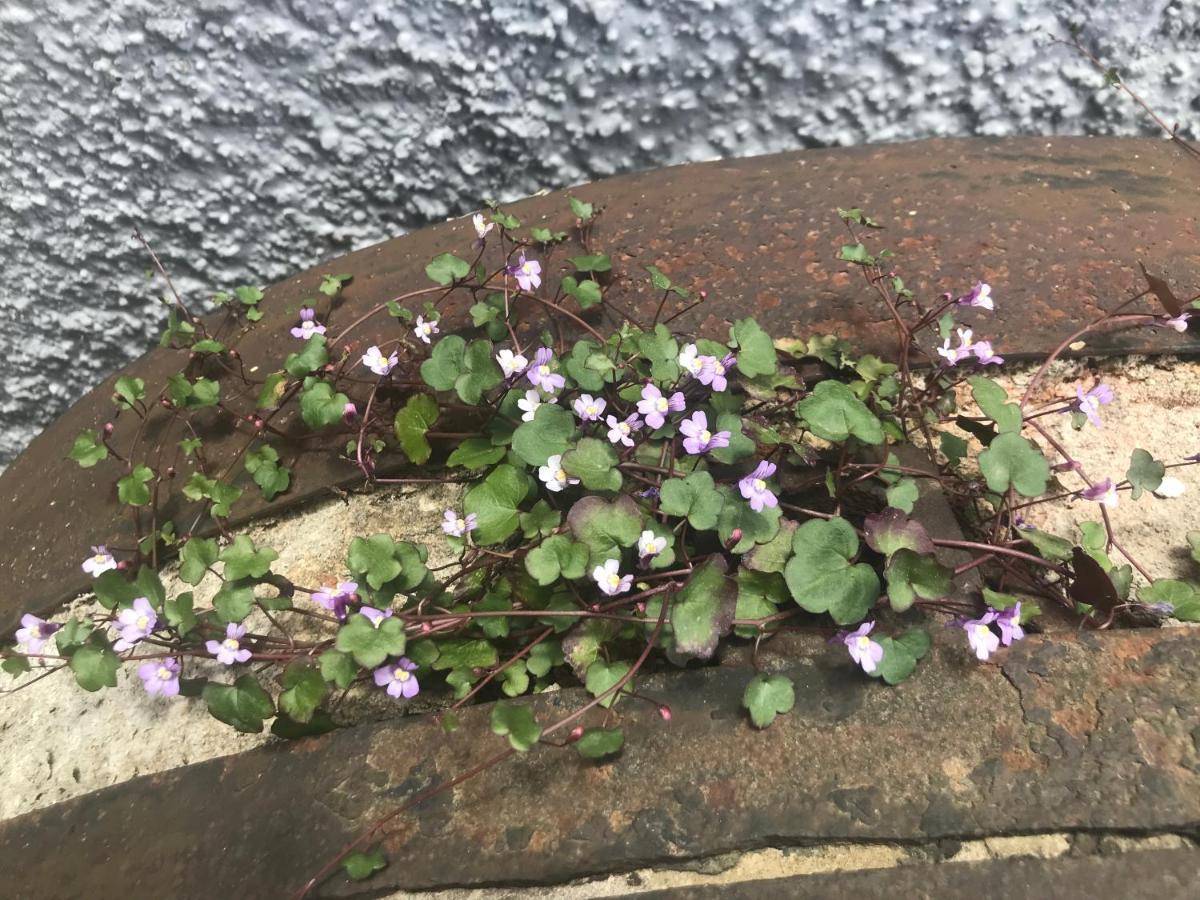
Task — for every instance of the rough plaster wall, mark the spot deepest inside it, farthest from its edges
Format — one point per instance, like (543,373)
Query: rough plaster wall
(250,138)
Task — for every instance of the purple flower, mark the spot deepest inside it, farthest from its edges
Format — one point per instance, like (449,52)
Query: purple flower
(337,599)
(1089,403)
(1103,492)
(697,438)
(135,623)
(374,360)
(609,578)
(1179,322)
(511,364)
(959,353)
(654,406)
(980,636)
(1009,621)
(980,295)
(160,676)
(99,562)
(398,678)
(375,616)
(424,329)
(230,650)
(650,545)
(864,651)
(539,373)
(553,475)
(985,356)
(713,371)
(481,229)
(754,487)
(308,325)
(528,273)
(456,526)
(622,432)
(33,633)
(589,408)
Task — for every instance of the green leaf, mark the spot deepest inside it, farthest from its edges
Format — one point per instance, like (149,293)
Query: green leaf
(911,575)
(702,612)
(495,503)
(248,294)
(1049,546)
(901,654)
(1145,472)
(822,576)
(583,211)
(74,633)
(88,449)
(457,653)
(695,497)
(768,696)
(759,596)
(244,704)
(518,723)
(289,729)
(263,465)
(222,495)
(856,253)
(903,494)
(598,743)
(303,691)
(129,390)
(474,454)
(1183,597)
(361,866)
(598,262)
(605,527)
(953,447)
(243,560)
(446,268)
(832,412)
(321,406)
(95,667)
(179,613)
(197,555)
(755,351)
(992,400)
(891,530)
(370,645)
(15,665)
(756,527)
(549,434)
(308,360)
(739,447)
(586,292)
(594,462)
(468,369)
(413,421)
(540,521)
(1011,460)
(557,556)
(132,489)
(271,391)
(338,668)
(374,559)
(603,676)
(331,285)
(234,600)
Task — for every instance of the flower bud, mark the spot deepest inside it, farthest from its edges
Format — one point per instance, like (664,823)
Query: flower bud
(349,412)
(170,471)
(665,712)
(122,565)
(576,734)
(108,429)
(734,537)
(260,424)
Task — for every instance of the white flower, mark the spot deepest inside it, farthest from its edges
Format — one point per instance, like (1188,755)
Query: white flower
(649,545)
(609,579)
(481,228)
(689,359)
(100,562)
(530,405)
(553,475)
(377,362)
(1169,488)
(424,329)
(511,364)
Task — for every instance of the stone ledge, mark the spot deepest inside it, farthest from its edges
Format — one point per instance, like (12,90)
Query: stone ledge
(1091,732)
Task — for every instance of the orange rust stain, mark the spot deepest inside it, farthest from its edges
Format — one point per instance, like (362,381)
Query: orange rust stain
(1078,721)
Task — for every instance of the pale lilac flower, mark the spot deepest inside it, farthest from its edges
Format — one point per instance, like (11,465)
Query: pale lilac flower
(398,678)
(135,623)
(589,408)
(336,599)
(754,487)
(622,432)
(697,438)
(230,650)
(33,633)
(375,616)
(1103,492)
(528,273)
(1179,322)
(511,364)
(980,636)
(456,525)
(690,361)
(99,562)
(481,228)
(1009,621)
(161,676)
(424,329)
(374,360)
(540,374)
(530,405)
(713,371)
(553,475)
(654,406)
(980,295)
(308,325)
(1089,403)
(959,353)
(650,545)
(609,578)
(985,356)
(864,651)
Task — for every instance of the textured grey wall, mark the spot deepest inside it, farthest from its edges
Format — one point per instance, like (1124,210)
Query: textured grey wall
(250,137)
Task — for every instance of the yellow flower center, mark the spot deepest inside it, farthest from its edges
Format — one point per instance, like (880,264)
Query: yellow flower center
(99,559)
(759,484)
(527,268)
(982,630)
(462,524)
(591,409)
(705,436)
(230,643)
(164,673)
(720,369)
(661,404)
(623,427)
(863,642)
(560,475)
(543,370)
(614,580)
(402,675)
(142,622)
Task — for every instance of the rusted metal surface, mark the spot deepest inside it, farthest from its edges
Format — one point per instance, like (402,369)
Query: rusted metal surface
(1085,732)
(1057,226)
